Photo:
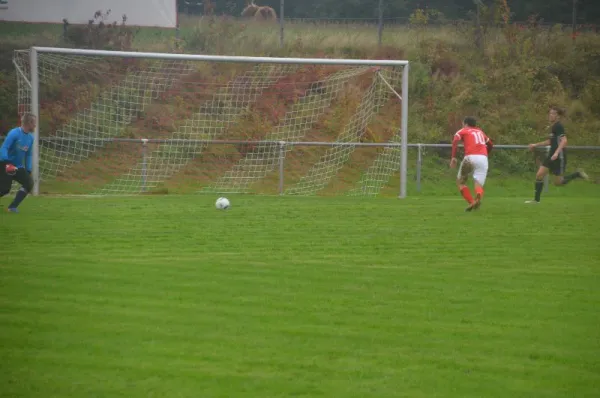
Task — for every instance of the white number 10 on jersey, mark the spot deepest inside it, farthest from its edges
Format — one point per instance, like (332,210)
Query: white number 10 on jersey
(479,138)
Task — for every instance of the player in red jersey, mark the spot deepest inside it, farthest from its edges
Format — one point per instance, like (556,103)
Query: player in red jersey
(477,147)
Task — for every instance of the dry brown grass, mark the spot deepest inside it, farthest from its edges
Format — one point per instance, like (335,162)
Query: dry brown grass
(258,13)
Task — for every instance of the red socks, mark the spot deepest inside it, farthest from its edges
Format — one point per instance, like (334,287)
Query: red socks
(479,191)
(466,193)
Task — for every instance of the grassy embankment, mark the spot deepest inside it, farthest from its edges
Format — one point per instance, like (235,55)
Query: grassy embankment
(508,86)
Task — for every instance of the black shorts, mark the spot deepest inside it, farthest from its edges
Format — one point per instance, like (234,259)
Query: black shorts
(558,166)
(21,176)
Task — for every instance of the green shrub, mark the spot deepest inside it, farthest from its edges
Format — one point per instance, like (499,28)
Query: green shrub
(214,35)
(8,103)
(100,35)
(591,95)
(419,80)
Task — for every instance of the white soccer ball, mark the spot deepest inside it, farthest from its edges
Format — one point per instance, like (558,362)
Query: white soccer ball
(222,203)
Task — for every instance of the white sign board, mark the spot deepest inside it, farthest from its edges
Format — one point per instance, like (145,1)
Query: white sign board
(158,13)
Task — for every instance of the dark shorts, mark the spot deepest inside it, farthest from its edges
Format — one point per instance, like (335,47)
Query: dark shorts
(557,167)
(21,176)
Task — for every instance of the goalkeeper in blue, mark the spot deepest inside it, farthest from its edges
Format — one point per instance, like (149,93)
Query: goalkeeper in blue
(15,160)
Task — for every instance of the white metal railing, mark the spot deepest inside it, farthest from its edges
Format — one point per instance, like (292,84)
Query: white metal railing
(283,146)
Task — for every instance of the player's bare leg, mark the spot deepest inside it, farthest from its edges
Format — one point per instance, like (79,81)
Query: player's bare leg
(461,180)
(558,181)
(539,184)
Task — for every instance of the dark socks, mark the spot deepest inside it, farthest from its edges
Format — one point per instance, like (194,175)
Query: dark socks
(539,187)
(21,194)
(570,177)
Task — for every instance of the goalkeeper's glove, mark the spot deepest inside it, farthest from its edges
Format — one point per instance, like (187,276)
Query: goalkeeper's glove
(11,169)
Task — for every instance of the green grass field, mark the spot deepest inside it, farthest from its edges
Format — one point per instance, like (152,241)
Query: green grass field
(164,296)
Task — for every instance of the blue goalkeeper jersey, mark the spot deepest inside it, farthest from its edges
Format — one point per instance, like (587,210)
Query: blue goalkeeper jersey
(16,148)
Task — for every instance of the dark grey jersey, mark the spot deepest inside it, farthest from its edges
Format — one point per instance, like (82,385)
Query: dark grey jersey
(556,132)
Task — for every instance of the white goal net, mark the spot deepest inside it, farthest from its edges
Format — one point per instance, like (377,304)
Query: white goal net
(128,123)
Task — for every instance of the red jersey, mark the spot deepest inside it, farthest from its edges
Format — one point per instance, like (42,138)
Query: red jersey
(475,141)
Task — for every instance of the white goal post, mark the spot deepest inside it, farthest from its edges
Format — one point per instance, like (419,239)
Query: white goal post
(226,108)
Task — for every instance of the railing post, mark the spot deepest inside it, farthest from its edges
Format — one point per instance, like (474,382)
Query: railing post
(380,23)
(144,164)
(419,163)
(546,177)
(281,164)
(281,22)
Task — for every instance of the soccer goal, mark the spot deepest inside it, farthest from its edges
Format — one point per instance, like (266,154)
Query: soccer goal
(113,122)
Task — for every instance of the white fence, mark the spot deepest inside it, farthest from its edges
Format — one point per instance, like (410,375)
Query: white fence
(417,160)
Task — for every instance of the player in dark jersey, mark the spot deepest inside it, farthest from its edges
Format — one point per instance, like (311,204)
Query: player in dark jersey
(556,160)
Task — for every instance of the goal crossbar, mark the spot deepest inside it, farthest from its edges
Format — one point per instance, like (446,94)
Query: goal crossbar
(222,58)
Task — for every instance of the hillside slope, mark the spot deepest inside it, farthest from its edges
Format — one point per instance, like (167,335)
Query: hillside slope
(508,85)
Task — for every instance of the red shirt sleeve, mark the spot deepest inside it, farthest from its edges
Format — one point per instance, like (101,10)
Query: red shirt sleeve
(457,138)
